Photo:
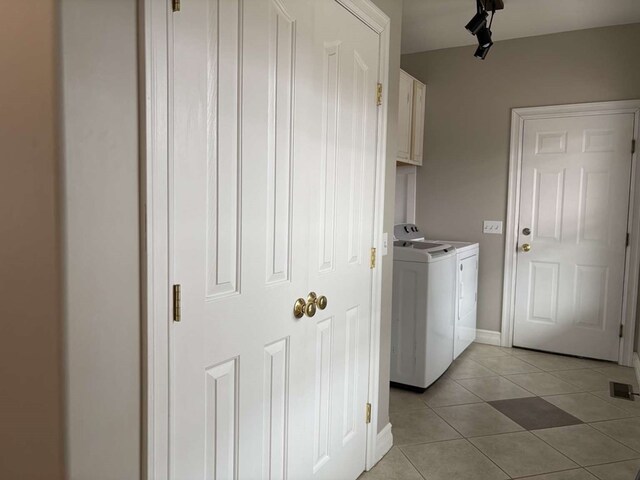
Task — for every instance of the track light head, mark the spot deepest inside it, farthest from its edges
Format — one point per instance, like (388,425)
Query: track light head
(478,21)
(484,37)
(482,52)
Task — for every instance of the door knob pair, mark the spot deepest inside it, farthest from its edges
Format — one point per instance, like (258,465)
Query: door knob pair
(526,247)
(309,306)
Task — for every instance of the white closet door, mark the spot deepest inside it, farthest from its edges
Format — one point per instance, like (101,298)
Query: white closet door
(273,135)
(340,239)
(239,203)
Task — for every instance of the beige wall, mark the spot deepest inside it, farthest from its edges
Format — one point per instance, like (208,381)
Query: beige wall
(30,341)
(464,177)
(393,8)
(101,245)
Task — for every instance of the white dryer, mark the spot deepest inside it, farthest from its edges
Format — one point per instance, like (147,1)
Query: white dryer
(466,307)
(424,286)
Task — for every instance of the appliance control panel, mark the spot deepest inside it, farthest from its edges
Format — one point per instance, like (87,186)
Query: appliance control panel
(407,231)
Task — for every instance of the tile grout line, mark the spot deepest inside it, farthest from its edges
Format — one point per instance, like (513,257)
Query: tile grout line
(411,463)
(608,463)
(582,466)
(614,439)
(487,457)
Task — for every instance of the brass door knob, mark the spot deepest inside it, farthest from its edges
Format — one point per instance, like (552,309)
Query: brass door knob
(299,308)
(310,306)
(526,247)
(322,302)
(310,310)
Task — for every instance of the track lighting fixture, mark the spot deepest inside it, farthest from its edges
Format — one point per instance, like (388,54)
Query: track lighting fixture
(481,52)
(478,25)
(478,21)
(484,37)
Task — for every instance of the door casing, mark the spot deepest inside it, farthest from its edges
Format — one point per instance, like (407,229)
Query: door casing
(156,279)
(632,264)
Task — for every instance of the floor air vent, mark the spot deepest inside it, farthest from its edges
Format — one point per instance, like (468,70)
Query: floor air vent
(621,390)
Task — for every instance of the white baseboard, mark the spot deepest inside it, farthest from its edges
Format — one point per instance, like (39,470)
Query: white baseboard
(488,337)
(636,365)
(384,442)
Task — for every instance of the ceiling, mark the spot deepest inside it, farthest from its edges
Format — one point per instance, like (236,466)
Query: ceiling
(435,24)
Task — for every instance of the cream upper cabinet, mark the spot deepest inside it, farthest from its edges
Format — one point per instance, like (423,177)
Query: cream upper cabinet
(405,109)
(417,126)
(411,119)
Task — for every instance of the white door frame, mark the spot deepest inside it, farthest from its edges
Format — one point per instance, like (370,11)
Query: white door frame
(632,262)
(155,173)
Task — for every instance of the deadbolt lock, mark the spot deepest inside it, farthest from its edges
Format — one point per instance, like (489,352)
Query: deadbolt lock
(526,231)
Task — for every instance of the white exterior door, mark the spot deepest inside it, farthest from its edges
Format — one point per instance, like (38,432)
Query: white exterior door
(273,158)
(574,202)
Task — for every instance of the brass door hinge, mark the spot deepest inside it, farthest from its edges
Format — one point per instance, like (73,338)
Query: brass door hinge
(177,303)
(175,4)
(621,330)
(368,416)
(379,94)
(372,260)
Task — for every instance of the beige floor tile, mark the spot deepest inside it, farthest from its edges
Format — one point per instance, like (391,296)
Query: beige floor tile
(393,466)
(617,471)
(480,350)
(522,454)
(447,392)
(589,363)
(519,352)
(585,445)
(494,388)
(507,365)
(404,400)
(477,419)
(630,406)
(625,431)
(618,373)
(542,383)
(550,362)
(587,407)
(467,368)
(454,460)
(420,426)
(585,379)
(575,474)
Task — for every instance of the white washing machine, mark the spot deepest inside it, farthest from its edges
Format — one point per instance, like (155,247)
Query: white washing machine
(424,289)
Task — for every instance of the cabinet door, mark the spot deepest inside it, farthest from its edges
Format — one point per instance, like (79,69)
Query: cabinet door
(405,111)
(417,134)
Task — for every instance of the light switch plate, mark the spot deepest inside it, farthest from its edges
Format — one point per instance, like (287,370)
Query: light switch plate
(492,226)
(385,243)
